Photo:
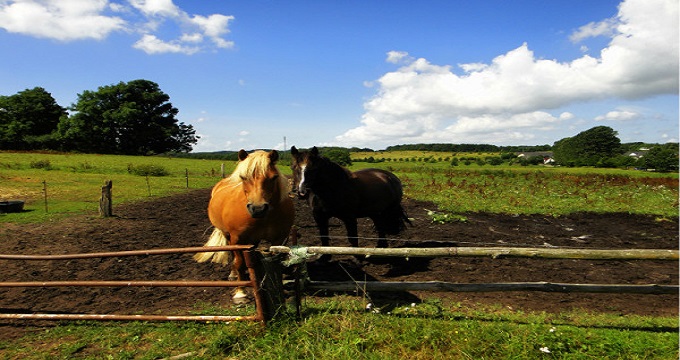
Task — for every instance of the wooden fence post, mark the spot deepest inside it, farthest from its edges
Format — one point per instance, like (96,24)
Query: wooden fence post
(45,193)
(105,202)
(269,272)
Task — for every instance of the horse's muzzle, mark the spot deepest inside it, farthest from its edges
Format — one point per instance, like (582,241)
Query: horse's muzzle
(258,211)
(302,194)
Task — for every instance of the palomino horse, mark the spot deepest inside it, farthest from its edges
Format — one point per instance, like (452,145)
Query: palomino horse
(334,191)
(250,205)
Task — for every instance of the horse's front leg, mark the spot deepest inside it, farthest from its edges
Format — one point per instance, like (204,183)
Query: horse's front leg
(352,231)
(322,223)
(382,242)
(238,273)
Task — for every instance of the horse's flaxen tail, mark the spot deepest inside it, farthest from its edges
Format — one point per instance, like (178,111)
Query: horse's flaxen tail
(217,238)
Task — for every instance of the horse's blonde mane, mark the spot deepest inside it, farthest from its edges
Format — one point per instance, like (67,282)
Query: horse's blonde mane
(256,166)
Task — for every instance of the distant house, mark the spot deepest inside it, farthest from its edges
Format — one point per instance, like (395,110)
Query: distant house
(638,154)
(546,155)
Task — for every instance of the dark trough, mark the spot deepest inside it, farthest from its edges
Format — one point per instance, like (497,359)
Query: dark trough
(11,206)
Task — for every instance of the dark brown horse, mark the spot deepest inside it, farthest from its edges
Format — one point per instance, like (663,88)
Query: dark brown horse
(333,191)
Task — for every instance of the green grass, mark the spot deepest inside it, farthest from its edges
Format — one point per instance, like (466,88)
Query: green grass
(74,181)
(341,328)
(538,189)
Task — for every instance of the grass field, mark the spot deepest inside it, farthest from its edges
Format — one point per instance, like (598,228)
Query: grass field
(340,327)
(73,184)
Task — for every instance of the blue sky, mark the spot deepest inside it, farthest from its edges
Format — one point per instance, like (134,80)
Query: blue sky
(371,74)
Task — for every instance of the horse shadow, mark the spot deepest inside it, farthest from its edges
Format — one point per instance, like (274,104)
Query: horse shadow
(351,269)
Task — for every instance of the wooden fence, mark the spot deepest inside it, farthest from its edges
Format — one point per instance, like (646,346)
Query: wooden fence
(267,278)
(300,253)
(265,298)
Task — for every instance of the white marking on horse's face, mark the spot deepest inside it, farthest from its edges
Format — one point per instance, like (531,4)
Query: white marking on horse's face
(301,185)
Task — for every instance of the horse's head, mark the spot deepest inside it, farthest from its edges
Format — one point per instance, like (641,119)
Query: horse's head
(305,166)
(262,182)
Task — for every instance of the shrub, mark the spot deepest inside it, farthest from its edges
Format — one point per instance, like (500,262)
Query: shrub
(147,170)
(41,164)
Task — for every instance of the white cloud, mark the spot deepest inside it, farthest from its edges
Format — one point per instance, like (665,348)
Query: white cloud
(617,115)
(64,20)
(150,44)
(594,29)
(396,57)
(71,20)
(244,133)
(164,8)
(508,97)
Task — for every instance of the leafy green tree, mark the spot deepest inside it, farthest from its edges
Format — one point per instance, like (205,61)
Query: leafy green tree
(28,119)
(340,156)
(662,158)
(592,147)
(134,118)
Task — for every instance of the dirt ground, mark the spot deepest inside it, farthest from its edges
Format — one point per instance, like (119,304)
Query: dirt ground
(181,221)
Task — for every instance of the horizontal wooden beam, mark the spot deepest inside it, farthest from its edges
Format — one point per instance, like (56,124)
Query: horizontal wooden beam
(494,252)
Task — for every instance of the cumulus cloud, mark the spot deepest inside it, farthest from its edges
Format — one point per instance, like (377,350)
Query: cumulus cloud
(71,20)
(618,115)
(64,20)
(153,45)
(509,98)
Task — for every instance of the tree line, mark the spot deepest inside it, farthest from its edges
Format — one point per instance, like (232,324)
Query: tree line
(133,118)
(466,148)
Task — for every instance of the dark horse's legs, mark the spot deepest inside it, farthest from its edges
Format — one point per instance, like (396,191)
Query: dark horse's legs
(352,231)
(322,222)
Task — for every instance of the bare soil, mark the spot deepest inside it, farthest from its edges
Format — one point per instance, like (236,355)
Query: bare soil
(181,221)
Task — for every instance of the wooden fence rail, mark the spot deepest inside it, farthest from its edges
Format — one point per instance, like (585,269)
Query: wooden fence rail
(298,254)
(494,252)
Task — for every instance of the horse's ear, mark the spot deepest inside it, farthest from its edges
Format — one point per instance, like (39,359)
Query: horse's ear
(315,151)
(273,156)
(294,151)
(242,154)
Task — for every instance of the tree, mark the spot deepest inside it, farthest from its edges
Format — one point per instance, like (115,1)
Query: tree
(134,118)
(663,158)
(588,148)
(339,156)
(28,119)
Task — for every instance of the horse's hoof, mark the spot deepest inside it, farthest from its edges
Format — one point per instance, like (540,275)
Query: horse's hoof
(240,297)
(241,300)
